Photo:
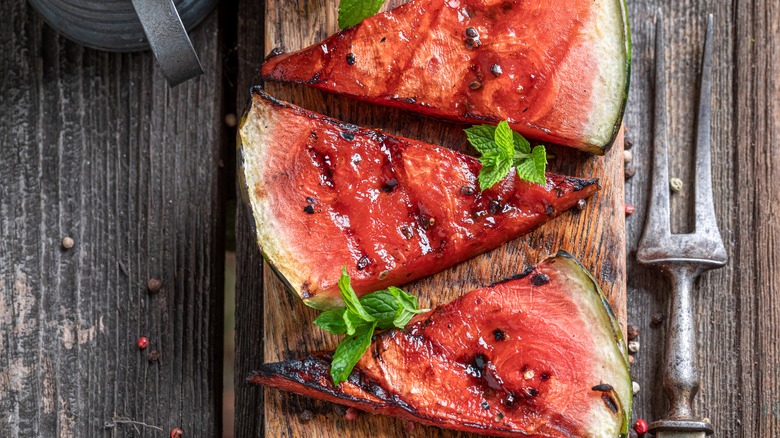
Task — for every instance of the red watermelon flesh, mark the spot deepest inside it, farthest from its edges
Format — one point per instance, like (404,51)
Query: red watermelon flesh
(325,194)
(558,71)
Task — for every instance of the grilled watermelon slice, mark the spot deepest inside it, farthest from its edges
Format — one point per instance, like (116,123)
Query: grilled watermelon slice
(557,70)
(325,194)
(541,354)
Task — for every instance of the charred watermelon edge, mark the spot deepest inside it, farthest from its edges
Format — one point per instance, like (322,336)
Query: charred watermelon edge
(317,363)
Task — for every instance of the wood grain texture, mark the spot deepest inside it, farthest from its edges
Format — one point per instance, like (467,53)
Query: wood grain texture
(97,147)
(597,239)
(738,314)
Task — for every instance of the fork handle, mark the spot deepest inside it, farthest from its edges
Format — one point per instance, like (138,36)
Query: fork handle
(681,377)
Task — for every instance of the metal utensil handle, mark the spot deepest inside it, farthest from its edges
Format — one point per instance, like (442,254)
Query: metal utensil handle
(681,377)
(168,39)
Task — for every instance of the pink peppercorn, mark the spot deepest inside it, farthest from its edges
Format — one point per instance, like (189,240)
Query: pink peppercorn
(143,342)
(641,427)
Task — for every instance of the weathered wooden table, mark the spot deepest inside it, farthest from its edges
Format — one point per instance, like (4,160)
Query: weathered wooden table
(96,147)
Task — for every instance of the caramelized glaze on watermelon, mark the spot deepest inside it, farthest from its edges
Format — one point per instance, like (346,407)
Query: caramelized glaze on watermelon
(325,194)
(539,355)
(557,70)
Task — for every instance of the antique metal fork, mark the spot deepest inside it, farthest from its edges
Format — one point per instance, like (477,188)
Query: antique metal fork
(682,257)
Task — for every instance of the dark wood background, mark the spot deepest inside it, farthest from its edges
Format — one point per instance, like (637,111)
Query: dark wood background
(95,146)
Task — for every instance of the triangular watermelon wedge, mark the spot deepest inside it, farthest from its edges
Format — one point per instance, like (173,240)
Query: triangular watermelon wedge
(325,194)
(557,70)
(539,355)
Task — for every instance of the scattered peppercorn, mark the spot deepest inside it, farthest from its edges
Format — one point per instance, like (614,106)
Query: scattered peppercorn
(496,70)
(635,388)
(470,31)
(351,58)
(581,204)
(154,285)
(633,346)
(143,342)
(675,184)
(308,209)
(68,242)
(363,262)
(176,432)
(627,156)
(657,319)
(339,409)
(231,120)
(632,331)
(631,360)
(629,172)
(153,356)
(641,427)
(475,84)
(627,143)
(409,427)
(630,209)
(306,415)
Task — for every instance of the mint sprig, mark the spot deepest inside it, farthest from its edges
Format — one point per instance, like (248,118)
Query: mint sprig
(501,149)
(383,309)
(352,12)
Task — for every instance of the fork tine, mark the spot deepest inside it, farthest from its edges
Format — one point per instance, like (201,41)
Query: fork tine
(705,210)
(658,221)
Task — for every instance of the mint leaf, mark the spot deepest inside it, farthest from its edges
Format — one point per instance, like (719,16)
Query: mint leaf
(482,138)
(521,144)
(532,168)
(504,139)
(382,305)
(500,149)
(350,298)
(332,321)
(407,307)
(349,352)
(352,12)
(494,169)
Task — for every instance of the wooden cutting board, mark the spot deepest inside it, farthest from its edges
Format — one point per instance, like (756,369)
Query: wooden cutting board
(595,235)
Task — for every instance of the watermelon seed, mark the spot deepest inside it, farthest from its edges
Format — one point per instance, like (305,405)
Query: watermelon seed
(476,84)
(499,416)
(496,70)
(309,209)
(495,207)
(310,200)
(473,43)
(351,58)
(540,279)
(485,405)
(390,185)
(363,262)
(499,335)
(603,387)
(473,33)
(467,190)
(610,402)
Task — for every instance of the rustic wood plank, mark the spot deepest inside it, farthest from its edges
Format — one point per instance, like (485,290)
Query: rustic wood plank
(287,323)
(737,312)
(97,147)
(249,269)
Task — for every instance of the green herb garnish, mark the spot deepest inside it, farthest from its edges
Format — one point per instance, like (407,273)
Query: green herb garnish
(502,149)
(383,309)
(352,12)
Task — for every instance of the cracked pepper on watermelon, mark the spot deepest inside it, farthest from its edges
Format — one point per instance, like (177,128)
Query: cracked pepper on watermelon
(540,354)
(557,71)
(326,195)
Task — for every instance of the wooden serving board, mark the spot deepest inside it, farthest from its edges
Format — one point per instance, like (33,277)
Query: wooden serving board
(595,235)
